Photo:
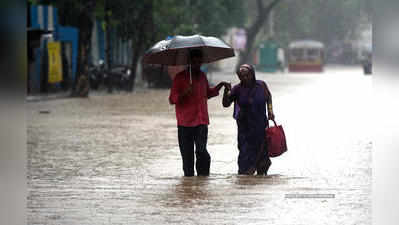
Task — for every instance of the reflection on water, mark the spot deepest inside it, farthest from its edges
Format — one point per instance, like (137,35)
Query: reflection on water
(115,160)
(193,190)
(258,180)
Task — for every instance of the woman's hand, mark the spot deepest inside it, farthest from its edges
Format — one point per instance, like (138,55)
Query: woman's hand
(227,86)
(227,89)
(270,115)
(222,84)
(227,100)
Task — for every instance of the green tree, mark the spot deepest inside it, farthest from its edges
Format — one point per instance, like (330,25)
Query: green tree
(80,14)
(256,23)
(145,23)
(213,17)
(134,22)
(326,21)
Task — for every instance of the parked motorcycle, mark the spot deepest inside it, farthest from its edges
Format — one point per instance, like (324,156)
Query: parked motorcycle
(97,75)
(119,77)
(116,78)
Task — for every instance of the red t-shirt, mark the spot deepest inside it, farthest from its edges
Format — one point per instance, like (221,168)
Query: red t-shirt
(191,110)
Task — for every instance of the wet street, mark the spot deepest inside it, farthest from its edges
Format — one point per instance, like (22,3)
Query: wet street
(114,159)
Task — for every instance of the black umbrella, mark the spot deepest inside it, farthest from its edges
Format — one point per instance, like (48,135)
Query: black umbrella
(176,50)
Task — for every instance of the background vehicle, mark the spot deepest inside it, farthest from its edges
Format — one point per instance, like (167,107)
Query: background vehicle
(119,77)
(158,76)
(366,59)
(97,74)
(306,56)
(367,63)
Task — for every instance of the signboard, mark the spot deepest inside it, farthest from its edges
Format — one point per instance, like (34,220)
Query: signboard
(239,39)
(54,62)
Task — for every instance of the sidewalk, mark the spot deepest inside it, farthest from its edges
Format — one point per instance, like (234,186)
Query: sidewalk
(48,96)
(67,94)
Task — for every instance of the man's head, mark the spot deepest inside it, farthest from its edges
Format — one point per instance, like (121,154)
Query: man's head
(196,57)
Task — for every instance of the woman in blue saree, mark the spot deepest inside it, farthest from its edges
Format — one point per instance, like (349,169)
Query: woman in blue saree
(250,98)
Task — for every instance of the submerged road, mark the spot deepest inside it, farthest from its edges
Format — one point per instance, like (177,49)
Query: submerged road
(114,159)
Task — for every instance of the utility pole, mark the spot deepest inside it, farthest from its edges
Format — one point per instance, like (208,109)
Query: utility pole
(108,46)
(107,36)
(271,23)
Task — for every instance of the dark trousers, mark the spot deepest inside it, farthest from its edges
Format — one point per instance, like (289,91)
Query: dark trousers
(263,161)
(188,137)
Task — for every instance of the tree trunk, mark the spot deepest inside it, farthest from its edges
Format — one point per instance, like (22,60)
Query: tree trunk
(139,44)
(135,62)
(84,50)
(108,36)
(85,32)
(109,82)
(253,30)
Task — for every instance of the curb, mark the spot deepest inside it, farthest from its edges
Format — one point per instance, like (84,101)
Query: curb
(39,98)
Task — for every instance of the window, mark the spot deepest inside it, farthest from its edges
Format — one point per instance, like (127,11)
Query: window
(297,54)
(313,54)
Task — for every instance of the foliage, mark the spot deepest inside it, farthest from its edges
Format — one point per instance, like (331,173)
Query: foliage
(207,17)
(146,22)
(255,22)
(327,21)
(213,17)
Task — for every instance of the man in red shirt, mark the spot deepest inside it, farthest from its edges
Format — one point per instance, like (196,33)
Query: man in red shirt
(190,94)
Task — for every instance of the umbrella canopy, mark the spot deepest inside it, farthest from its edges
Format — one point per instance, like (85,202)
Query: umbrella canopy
(176,50)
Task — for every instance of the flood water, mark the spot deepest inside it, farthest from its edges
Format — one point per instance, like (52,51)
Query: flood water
(114,159)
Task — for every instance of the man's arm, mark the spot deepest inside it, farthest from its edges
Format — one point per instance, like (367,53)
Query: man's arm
(176,95)
(212,92)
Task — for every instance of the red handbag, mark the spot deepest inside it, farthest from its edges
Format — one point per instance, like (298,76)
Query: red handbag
(275,140)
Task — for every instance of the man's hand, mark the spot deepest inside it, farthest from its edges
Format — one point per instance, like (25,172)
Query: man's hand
(225,84)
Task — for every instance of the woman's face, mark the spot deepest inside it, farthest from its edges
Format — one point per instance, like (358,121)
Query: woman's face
(244,75)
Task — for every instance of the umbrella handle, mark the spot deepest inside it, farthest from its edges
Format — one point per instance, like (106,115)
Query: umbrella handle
(189,64)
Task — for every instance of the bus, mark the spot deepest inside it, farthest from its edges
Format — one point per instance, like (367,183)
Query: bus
(306,56)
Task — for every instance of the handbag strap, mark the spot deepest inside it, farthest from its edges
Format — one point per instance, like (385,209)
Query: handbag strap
(275,124)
